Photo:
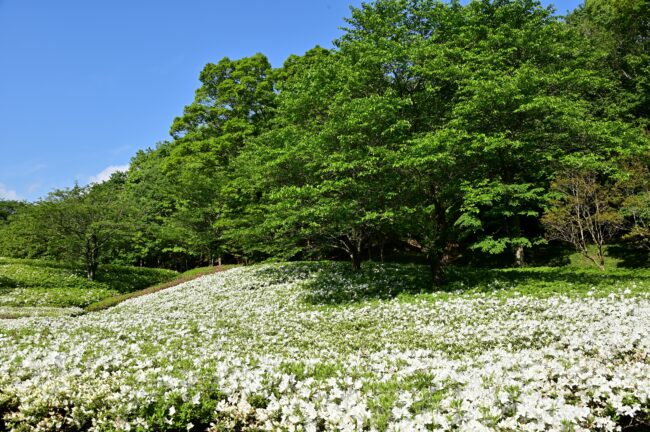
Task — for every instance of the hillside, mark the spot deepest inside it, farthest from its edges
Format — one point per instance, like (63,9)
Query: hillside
(311,346)
(38,287)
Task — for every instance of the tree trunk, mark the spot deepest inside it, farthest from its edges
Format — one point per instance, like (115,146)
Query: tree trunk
(437,264)
(92,255)
(353,245)
(598,261)
(91,272)
(91,265)
(440,256)
(519,256)
(601,258)
(519,250)
(355,256)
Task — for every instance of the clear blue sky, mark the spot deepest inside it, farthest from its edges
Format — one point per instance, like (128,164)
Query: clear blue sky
(86,83)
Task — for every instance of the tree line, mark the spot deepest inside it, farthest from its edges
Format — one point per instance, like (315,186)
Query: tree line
(431,130)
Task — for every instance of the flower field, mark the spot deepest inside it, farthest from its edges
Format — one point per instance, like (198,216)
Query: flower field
(311,347)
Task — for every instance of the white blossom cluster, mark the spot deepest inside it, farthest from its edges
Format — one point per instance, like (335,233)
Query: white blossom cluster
(244,350)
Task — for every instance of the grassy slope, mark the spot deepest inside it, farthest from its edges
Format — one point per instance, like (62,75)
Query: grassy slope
(273,333)
(577,279)
(181,278)
(35,287)
(44,288)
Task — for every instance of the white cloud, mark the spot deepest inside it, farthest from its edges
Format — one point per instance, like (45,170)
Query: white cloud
(106,174)
(34,187)
(8,194)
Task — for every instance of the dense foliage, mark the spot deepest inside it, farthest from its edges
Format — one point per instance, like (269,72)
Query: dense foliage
(432,131)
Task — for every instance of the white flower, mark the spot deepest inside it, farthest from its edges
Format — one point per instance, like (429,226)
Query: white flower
(497,361)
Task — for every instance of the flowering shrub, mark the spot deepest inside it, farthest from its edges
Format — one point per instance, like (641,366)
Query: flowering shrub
(254,349)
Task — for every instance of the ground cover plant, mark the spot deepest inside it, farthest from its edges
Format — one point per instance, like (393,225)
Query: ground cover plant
(181,278)
(314,346)
(46,287)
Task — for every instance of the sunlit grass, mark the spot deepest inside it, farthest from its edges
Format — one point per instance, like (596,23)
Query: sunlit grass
(45,284)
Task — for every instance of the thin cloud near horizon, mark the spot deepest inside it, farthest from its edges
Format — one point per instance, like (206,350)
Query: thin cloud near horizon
(8,194)
(107,173)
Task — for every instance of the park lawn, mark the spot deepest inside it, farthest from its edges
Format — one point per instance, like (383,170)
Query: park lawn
(38,287)
(313,346)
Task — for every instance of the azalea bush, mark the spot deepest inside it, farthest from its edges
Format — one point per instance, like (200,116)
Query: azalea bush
(255,349)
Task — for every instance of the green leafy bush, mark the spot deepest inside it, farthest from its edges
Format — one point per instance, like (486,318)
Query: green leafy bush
(38,283)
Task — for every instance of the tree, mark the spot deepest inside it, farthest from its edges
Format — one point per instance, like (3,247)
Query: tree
(16,240)
(637,208)
(584,213)
(439,124)
(315,182)
(9,208)
(620,31)
(636,204)
(153,194)
(78,224)
(235,103)
(525,104)
(235,98)
(253,227)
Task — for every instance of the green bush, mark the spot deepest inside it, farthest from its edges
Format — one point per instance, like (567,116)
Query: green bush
(40,283)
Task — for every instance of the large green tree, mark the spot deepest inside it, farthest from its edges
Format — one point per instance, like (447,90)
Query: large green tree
(436,123)
(180,185)
(14,240)
(619,30)
(235,103)
(78,225)
(522,100)
(325,184)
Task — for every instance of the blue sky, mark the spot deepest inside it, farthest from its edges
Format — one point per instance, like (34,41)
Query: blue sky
(85,84)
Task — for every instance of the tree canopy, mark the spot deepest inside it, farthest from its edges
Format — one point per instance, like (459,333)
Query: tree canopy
(434,131)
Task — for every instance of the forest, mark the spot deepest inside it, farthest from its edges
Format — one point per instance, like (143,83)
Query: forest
(494,132)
